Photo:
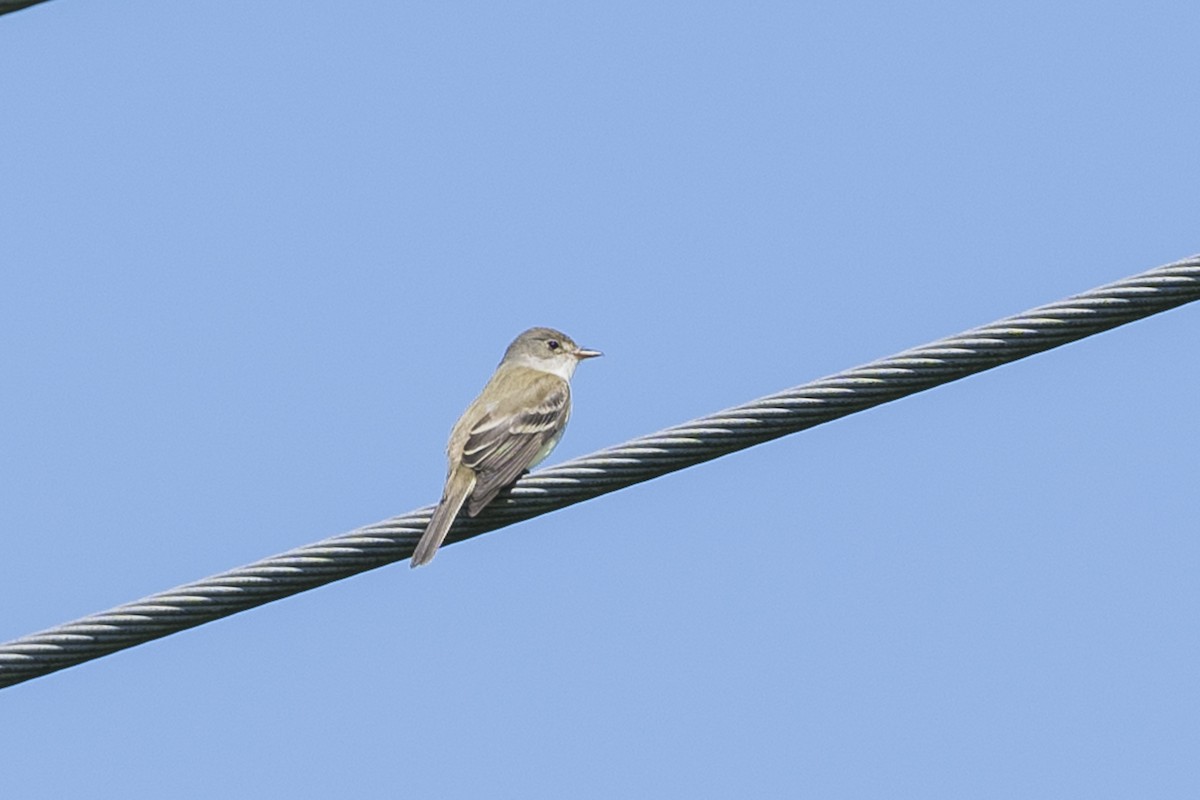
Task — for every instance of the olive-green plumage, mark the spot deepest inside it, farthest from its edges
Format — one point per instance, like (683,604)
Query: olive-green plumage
(515,422)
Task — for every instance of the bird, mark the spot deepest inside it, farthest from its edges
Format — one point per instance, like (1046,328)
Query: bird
(514,423)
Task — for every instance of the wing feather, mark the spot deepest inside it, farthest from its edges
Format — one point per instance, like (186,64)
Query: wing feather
(505,442)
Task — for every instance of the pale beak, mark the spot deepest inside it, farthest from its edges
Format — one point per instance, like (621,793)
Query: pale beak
(583,353)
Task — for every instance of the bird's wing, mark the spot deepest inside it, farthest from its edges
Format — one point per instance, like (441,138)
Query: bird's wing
(508,440)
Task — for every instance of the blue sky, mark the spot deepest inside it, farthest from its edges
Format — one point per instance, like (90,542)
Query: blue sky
(258,257)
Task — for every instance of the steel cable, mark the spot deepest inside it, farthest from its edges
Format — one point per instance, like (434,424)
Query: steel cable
(605,471)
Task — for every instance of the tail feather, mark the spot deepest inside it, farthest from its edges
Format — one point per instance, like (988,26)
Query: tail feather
(458,488)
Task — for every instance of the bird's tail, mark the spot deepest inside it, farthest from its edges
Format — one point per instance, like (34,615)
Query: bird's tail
(458,488)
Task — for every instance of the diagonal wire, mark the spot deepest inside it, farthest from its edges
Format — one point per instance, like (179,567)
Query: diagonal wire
(17,5)
(614,468)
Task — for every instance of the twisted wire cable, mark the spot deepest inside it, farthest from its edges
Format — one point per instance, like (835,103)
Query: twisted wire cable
(641,459)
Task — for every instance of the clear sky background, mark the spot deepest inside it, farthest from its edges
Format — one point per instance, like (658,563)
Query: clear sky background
(257,257)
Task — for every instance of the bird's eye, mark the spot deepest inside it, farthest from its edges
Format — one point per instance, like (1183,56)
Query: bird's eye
(553,344)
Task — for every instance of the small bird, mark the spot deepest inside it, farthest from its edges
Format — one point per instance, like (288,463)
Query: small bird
(515,422)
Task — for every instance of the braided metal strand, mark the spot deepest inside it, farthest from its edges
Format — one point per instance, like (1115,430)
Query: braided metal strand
(639,460)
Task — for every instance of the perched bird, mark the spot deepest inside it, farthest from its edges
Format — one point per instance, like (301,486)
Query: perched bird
(515,422)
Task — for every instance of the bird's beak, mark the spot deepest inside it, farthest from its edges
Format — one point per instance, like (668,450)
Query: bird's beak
(583,353)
